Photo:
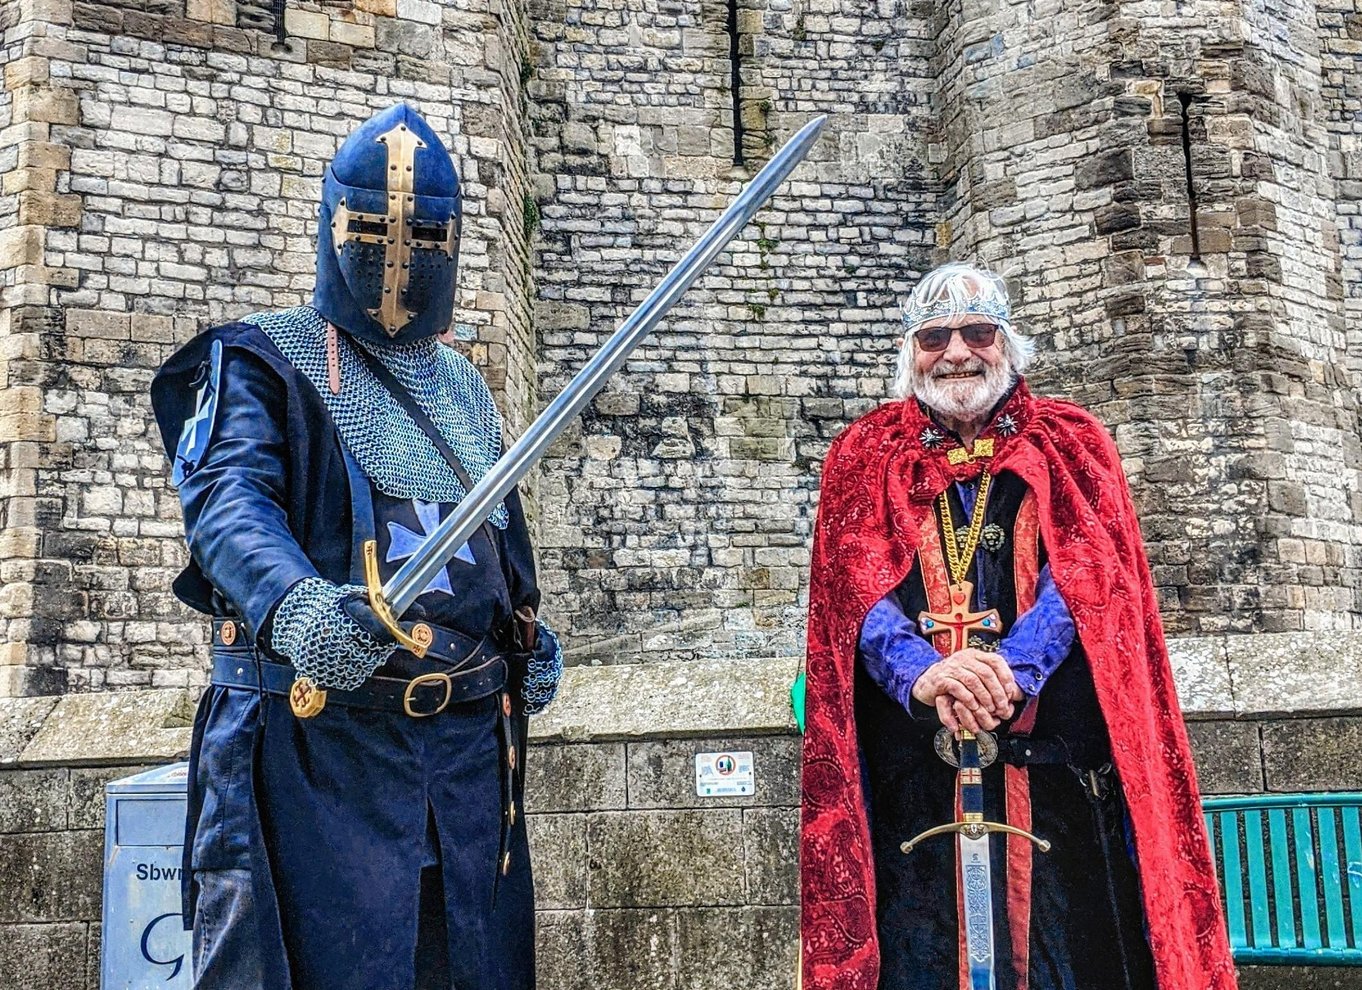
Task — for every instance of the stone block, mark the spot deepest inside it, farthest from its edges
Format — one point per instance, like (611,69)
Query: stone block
(684,698)
(32,800)
(1228,757)
(30,70)
(1201,671)
(130,726)
(575,777)
(212,11)
(47,209)
(1314,755)
(665,858)
(404,37)
(46,105)
(51,876)
(22,417)
(558,846)
(1296,673)
(751,948)
(43,957)
(20,720)
(356,35)
(662,774)
(329,54)
(21,246)
(1299,978)
(771,851)
(421,11)
(307,24)
(608,950)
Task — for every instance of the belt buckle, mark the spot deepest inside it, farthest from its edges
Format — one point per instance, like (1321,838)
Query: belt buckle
(416,682)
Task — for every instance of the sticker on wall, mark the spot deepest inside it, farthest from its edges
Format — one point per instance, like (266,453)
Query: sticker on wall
(725,775)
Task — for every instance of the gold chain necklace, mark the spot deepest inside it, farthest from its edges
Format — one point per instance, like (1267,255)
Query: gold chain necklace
(957,558)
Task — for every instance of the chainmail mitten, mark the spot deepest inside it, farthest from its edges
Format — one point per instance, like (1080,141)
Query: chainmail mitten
(545,668)
(321,640)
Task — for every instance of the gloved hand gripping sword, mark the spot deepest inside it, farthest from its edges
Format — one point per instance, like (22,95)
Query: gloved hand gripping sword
(390,601)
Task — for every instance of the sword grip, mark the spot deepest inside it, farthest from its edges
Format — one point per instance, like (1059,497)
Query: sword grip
(421,636)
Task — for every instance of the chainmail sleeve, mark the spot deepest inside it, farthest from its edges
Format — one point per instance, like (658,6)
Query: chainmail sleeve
(543,672)
(314,633)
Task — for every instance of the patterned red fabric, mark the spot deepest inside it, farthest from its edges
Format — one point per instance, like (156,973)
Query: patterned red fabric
(879,481)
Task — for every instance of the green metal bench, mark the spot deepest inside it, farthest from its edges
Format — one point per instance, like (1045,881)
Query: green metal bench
(1290,868)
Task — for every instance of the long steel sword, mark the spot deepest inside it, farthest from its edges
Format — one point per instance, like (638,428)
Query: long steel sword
(395,597)
(976,872)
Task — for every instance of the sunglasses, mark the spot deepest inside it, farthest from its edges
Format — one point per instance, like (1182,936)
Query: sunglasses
(976,335)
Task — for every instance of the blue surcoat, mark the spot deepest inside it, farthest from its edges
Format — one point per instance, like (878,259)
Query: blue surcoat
(336,816)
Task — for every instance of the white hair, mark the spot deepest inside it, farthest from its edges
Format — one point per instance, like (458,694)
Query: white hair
(958,289)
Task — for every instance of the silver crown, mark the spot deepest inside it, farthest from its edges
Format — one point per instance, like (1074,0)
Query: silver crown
(995,309)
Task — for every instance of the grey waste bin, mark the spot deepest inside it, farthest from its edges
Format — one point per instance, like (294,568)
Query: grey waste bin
(144,943)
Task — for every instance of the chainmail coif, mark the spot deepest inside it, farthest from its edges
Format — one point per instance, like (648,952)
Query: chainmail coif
(392,450)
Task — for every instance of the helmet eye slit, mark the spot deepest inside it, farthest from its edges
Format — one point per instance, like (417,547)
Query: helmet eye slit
(375,227)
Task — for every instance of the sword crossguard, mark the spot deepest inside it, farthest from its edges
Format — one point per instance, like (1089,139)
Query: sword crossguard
(419,639)
(974,830)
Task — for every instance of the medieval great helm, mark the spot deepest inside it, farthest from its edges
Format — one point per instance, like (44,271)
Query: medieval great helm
(388,247)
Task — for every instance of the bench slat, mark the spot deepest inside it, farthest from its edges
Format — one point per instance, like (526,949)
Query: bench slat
(1234,878)
(1257,878)
(1281,878)
(1305,870)
(1329,873)
(1352,849)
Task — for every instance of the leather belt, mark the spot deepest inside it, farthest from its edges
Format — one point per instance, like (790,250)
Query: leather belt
(464,670)
(426,694)
(1028,751)
(448,646)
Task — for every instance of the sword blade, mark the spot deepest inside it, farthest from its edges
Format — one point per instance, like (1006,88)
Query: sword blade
(976,871)
(976,885)
(420,568)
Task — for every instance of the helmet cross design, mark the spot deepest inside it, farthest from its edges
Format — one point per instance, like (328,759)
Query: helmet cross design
(389,234)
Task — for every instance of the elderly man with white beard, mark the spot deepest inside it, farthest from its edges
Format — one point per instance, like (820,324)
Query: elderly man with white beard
(985,654)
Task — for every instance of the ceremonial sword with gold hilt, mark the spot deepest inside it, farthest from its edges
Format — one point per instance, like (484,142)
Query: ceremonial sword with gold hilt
(390,600)
(976,751)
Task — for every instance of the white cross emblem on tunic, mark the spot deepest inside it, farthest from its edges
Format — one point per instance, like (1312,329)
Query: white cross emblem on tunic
(404,543)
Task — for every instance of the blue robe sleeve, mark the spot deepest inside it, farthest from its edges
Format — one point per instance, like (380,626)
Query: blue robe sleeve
(893,652)
(234,498)
(1041,637)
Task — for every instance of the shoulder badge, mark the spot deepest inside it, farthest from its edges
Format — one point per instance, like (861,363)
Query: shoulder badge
(198,429)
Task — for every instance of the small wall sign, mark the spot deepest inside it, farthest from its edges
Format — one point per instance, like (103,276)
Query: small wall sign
(725,775)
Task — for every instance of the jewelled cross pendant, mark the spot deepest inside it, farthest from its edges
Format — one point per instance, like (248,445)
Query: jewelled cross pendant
(959,621)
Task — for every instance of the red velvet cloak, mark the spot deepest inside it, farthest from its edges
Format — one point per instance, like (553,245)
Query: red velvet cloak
(879,481)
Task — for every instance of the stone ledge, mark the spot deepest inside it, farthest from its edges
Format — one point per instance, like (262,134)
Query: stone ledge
(1280,675)
(110,728)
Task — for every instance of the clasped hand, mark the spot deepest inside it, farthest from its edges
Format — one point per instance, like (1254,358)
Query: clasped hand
(970,689)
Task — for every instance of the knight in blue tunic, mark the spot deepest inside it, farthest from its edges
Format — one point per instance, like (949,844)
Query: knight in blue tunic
(378,842)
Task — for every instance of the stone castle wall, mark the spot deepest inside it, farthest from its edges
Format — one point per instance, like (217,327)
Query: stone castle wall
(677,518)
(161,163)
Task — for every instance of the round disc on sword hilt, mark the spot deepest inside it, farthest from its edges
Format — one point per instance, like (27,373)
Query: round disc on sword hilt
(948,749)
